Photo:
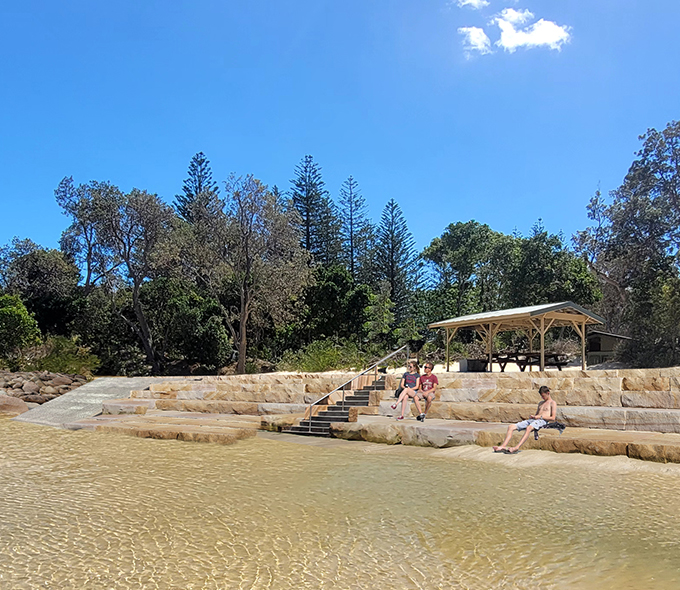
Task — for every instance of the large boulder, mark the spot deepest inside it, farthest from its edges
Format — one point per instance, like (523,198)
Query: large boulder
(12,405)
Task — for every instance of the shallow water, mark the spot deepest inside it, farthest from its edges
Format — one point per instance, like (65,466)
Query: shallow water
(85,510)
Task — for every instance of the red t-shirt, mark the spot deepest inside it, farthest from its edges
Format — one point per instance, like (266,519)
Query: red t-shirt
(427,382)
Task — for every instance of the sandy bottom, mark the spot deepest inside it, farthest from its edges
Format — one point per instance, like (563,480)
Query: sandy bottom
(88,510)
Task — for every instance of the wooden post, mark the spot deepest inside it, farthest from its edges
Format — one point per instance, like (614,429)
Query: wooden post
(542,343)
(447,350)
(583,345)
(489,347)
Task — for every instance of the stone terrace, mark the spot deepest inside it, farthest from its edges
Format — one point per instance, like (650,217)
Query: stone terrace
(629,412)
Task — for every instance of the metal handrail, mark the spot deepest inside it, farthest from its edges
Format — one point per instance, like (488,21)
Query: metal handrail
(374,366)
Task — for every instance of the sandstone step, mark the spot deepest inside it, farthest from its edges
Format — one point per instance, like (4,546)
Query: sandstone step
(648,446)
(641,419)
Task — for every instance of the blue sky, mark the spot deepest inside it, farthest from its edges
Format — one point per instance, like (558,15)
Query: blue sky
(405,95)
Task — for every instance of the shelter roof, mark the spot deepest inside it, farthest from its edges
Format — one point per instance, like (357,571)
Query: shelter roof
(565,313)
(602,333)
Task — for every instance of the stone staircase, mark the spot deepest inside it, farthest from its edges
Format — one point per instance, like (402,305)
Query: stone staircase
(319,424)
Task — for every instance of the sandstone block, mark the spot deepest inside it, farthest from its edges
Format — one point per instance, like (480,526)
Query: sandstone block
(598,384)
(438,410)
(387,434)
(12,406)
(346,430)
(650,399)
(653,420)
(589,417)
(512,396)
(511,413)
(192,393)
(474,412)
(267,408)
(647,452)
(593,397)
(276,423)
(458,395)
(424,436)
(646,384)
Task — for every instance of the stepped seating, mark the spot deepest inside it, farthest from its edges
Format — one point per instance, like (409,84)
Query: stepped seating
(639,400)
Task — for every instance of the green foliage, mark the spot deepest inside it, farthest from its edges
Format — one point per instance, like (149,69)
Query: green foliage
(323,355)
(380,318)
(46,281)
(59,354)
(184,324)
(18,328)
(633,246)
(319,223)
(336,306)
(396,258)
(199,189)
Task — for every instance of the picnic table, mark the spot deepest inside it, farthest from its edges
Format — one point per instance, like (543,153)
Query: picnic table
(528,359)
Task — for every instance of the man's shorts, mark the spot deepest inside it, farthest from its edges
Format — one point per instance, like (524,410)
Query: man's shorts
(535,424)
(426,394)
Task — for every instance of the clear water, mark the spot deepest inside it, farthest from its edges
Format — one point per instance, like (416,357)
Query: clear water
(86,510)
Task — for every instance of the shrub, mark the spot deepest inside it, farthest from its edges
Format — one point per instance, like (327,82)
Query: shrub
(59,354)
(323,355)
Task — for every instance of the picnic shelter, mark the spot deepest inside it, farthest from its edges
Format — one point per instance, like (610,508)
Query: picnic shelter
(532,320)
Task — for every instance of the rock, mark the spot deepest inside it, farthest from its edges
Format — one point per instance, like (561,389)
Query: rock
(30,387)
(61,380)
(38,399)
(48,389)
(12,405)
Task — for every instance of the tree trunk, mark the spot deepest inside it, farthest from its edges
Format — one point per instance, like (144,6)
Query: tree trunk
(144,332)
(242,342)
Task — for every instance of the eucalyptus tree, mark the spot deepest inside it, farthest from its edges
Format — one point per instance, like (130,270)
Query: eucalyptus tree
(633,246)
(246,250)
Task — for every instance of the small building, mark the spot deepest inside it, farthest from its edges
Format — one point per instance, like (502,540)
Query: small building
(602,346)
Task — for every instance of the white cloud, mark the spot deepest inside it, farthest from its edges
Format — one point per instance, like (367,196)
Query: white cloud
(543,33)
(516,17)
(476,4)
(475,39)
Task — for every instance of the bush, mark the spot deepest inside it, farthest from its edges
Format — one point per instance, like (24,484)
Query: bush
(59,354)
(323,355)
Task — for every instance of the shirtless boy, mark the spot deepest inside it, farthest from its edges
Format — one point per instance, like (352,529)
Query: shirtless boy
(546,412)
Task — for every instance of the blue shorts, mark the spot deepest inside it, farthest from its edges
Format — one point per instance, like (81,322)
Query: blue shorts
(535,424)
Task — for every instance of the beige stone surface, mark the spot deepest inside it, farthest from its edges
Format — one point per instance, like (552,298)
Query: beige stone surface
(650,399)
(646,384)
(588,417)
(593,397)
(653,420)
(12,406)
(277,423)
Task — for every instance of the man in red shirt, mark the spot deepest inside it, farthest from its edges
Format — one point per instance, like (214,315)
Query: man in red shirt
(428,390)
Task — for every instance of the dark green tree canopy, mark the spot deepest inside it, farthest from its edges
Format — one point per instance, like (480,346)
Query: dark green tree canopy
(199,189)
(396,257)
(319,223)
